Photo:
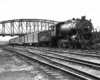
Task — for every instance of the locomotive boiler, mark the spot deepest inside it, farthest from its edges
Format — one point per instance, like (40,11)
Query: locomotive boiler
(73,25)
(72,33)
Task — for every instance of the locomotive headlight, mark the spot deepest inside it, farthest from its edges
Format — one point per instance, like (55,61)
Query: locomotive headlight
(87,27)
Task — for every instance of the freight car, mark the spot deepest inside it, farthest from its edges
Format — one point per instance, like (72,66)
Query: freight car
(41,38)
(74,33)
(14,41)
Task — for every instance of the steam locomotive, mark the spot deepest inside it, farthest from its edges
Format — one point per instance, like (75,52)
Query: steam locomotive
(74,33)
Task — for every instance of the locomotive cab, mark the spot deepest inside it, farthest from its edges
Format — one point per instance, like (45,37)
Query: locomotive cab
(55,33)
(53,30)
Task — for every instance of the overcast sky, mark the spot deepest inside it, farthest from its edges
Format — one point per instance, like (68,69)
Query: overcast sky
(59,10)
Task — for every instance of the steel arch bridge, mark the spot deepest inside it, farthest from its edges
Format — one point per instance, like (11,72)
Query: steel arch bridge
(19,27)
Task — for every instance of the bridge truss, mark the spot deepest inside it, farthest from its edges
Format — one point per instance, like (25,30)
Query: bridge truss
(19,27)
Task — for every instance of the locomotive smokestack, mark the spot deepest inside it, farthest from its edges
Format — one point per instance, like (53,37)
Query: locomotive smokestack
(73,19)
(83,17)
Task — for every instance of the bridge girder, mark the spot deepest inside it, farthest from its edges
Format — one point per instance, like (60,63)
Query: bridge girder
(24,26)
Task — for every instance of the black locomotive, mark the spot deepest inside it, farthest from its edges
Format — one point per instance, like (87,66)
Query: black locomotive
(72,33)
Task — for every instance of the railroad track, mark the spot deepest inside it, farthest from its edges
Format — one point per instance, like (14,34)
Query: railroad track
(73,51)
(82,56)
(55,62)
(69,59)
(71,55)
(65,50)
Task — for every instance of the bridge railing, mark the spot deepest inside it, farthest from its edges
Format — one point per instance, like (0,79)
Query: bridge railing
(24,26)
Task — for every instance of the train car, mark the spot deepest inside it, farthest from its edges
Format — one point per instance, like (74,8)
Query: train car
(21,40)
(44,38)
(29,39)
(16,40)
(26,40)
(11,41)
(38,38)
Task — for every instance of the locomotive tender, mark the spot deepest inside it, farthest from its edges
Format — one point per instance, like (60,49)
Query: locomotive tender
(74,33)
